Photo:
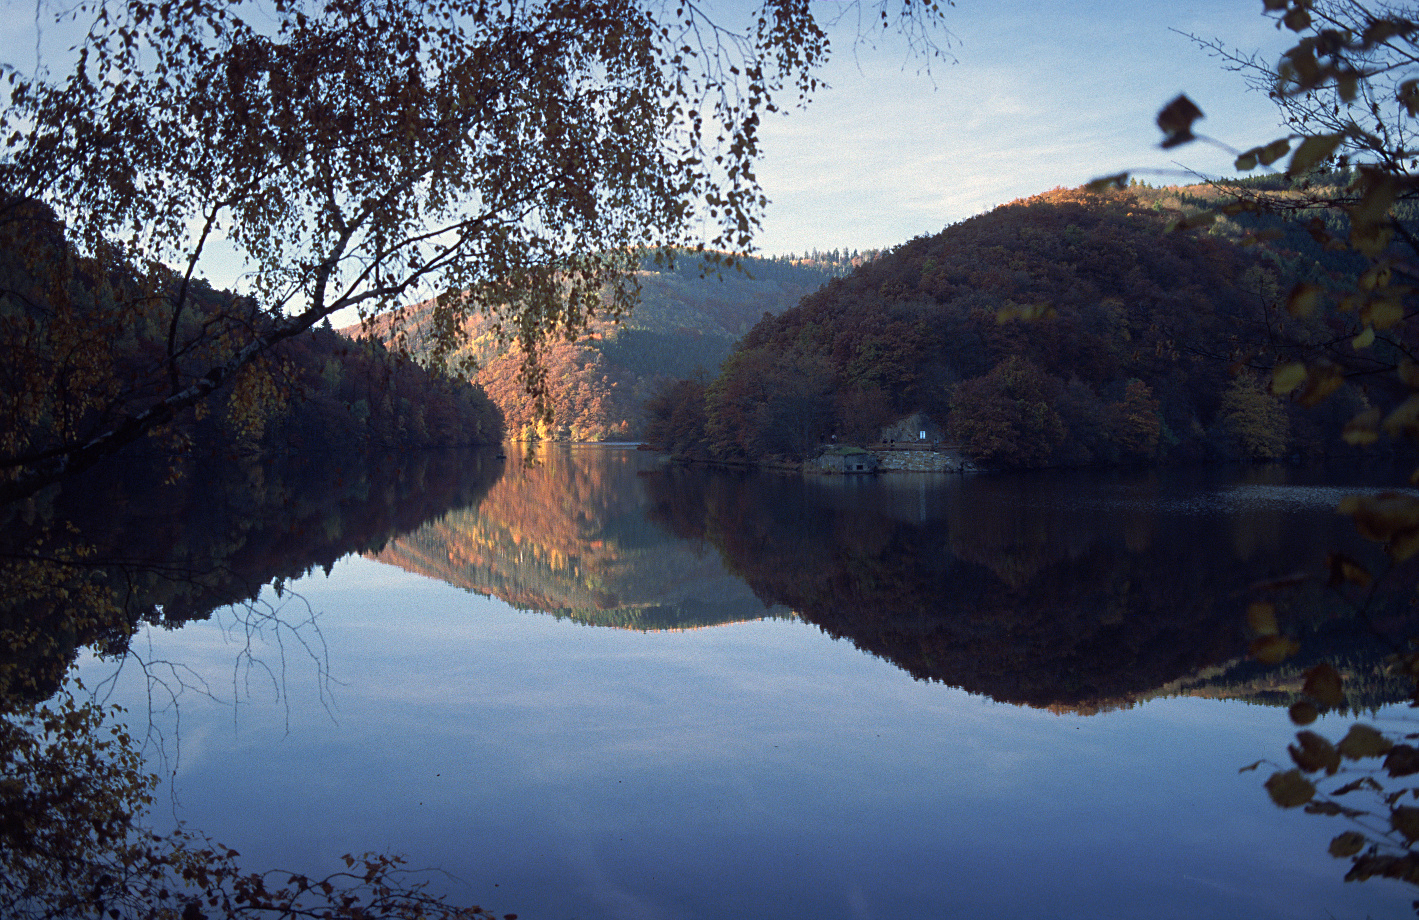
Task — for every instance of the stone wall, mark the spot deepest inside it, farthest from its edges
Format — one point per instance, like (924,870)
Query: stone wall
(922,461)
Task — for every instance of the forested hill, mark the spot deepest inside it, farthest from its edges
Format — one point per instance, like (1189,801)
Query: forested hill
(1066,329)
(686,323)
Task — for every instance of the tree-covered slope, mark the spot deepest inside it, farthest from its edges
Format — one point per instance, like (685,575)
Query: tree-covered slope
(686,322)
(1069,328)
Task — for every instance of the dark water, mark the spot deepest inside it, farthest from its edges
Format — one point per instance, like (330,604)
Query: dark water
(758,696)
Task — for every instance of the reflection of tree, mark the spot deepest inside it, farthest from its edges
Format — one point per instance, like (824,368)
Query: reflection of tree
(84,565)
(567,534)
(1000,585)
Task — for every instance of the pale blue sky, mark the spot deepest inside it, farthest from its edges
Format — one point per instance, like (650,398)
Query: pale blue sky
(1041,94)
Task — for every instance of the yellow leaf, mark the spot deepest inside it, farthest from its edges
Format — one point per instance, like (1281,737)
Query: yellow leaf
(1364,339)
(1363,428)
(1382,312)
(1287,377)
(1261,617)
(1403,545)
(1403,418)
(1274,649)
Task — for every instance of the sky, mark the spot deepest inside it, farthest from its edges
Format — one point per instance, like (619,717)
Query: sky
(1030,95)
(1037,94)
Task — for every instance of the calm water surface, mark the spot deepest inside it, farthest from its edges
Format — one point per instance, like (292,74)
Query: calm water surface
(908,697)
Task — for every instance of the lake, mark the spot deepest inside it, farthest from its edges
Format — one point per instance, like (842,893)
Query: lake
(594,686)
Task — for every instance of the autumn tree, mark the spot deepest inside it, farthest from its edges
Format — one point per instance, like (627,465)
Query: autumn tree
(1255,419)
(501,157)
(1135,422)
(1006,417)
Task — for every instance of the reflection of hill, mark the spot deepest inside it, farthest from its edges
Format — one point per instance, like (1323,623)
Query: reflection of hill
(1013,587)
(567,534)
(84,564)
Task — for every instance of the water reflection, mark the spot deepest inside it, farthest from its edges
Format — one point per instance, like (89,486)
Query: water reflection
(760,768)
(565,531)
(1069,591)
(149,543)
(1053,590)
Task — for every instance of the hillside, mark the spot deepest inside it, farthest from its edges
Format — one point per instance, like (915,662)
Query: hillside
(1071,328)
(91,344)
(686,323)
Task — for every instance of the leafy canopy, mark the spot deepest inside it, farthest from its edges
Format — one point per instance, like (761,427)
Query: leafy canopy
(503,156)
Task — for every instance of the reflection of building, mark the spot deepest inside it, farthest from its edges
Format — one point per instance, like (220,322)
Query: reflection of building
(844,460)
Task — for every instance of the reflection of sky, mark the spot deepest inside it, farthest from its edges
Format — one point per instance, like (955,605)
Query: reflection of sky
(753,770)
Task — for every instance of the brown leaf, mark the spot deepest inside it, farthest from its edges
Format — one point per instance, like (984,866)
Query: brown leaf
(1290,789)
(1314,753)
(1176,120)
(1347,844)
(1363,741)
(1380,517)
(1402,760)
(1344,570)
(1304,299)
(1405,819)
(1303,713)
(1323,684)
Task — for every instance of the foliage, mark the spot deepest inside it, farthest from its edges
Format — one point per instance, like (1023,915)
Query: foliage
(1349,91)
(1005,417)
(685,321)
(499,157)
(1133,329)
(675,420)
(73,840)
(767,404)
(1255,417)
(68,382)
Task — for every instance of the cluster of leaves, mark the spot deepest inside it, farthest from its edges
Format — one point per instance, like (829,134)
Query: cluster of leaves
(74,803)
(1363,761)
(1349,91)
(1065,329)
